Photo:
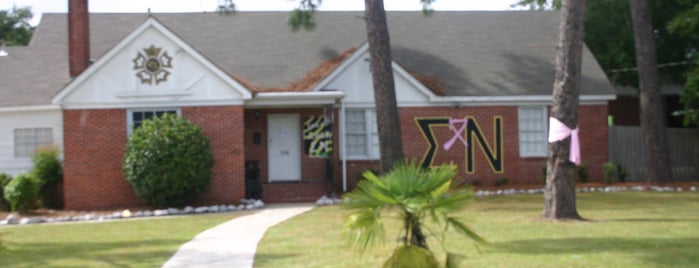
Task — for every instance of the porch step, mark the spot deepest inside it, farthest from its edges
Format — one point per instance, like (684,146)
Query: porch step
(290,192)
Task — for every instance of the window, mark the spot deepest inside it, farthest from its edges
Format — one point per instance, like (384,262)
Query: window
(361,134)
(136,117)
(27,140)
(532,132)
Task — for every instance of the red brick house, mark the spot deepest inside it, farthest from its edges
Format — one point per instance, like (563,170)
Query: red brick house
(473,88)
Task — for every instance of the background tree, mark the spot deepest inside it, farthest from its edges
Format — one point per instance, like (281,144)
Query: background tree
(387,117)
(610,36)
(15,29)
(686,25)
(559,192)
(652,108)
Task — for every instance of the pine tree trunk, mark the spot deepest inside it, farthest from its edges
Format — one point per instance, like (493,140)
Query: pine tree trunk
(559,193)
(652,110)
(391,146)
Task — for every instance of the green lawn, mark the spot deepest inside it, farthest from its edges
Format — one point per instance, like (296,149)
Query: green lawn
(624,230)
(124,243)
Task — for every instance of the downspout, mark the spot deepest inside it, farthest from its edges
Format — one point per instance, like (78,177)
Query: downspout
(343,148)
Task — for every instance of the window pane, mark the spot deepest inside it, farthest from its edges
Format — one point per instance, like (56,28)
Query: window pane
(28,140)
(532,131)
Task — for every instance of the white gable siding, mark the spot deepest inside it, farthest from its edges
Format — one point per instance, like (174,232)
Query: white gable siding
(114,83)
(355,81)
(23,120)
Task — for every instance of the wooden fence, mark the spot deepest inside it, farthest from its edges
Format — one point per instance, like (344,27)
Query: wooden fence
(626,148)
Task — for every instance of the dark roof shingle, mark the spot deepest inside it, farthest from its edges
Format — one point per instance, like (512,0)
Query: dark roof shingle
(472,53)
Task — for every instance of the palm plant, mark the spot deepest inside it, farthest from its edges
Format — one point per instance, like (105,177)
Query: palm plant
(423,198)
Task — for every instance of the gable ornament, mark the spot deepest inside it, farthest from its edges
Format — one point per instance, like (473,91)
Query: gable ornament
(152,65)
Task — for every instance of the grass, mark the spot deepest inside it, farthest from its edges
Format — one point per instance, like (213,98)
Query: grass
(624,230)
(124,243)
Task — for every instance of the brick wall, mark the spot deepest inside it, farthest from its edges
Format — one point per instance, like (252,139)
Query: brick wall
(95,140)
(518,170)
(224,126)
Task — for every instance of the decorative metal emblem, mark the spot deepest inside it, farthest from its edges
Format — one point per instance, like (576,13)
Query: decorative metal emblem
(152,66)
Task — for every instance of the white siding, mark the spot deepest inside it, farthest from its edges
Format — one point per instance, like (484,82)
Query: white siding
(115,83)
(9,121)
(356,82)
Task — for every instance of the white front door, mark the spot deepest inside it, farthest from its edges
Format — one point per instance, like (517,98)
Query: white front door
(284,147)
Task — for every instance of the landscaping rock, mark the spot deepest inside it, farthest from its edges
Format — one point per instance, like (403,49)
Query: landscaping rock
(232,208)
(188,210)
(323,200)
(249,207)
(693,189)
(160,212)
(259,204)
(147,213)
(126,213)
(201,210)
(213,209)
(11,219)
(241,207)
(222,208)
(173,211)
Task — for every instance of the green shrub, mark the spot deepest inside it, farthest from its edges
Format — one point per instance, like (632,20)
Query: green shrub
(168,161)
(501,181)
(621,171)
(22,191)
(610,172)
(4,180)
(614,173)
(48,168)
(582,174)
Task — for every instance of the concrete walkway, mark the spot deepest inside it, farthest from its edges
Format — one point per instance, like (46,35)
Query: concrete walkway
(233,244)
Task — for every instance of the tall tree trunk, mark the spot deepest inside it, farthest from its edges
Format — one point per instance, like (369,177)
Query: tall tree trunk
(559,193)
(391,146)
(652,110)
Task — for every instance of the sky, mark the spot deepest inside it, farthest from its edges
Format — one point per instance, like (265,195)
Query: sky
(61,6)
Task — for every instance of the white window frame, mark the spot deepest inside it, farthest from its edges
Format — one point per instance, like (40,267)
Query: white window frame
(35,143)
(370,133)
(541,114)
(130,115)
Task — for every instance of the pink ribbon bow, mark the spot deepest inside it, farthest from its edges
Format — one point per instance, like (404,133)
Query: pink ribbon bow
(559,131)
(458,133)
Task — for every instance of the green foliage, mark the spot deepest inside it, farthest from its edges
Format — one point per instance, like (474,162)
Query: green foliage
(14,26)
(424,198)
(609,172)
(226,7)
(4,180)
(22,191)
(582,173)
(303,15)
(411,256)
(47,165)
(539,4)
(614,173)
(168,161)
(686,24)
(49,170)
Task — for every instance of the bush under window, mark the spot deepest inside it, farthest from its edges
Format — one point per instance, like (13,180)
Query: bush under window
(168,161)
